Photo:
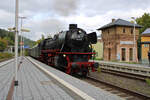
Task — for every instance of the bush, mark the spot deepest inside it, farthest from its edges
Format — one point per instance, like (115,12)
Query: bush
(5,55)
(148,81)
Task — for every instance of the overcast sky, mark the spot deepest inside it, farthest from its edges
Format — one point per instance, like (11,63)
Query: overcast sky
(51,16)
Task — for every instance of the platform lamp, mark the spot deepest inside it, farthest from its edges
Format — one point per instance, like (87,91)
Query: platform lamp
(134,47)
(24,30)
(16,41)
(21,42)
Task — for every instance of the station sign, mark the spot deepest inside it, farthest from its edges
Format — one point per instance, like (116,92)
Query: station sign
(126,42)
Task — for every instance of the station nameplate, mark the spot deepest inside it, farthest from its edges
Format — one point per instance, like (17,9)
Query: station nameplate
(126,42)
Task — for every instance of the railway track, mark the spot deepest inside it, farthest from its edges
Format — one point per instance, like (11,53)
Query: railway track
(125,74)
(133,69)
(124,93)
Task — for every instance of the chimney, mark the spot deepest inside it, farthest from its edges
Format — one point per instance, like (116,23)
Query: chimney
(72,26)
(113,20)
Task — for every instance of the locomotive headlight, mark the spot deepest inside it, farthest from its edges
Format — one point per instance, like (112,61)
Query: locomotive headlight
(80,31)
(64,55)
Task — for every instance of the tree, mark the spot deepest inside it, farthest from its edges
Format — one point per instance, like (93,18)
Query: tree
(144,20)
(9,41)
(3,44)
(42,38)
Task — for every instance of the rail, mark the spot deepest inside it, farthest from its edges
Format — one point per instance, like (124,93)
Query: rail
(127,94)
(126,68)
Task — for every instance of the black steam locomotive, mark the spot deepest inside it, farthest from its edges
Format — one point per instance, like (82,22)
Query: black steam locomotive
(69,51)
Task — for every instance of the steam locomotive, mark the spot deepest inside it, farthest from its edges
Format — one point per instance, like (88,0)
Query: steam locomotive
(68,50)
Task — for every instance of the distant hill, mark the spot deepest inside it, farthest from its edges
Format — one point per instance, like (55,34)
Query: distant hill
(8,38)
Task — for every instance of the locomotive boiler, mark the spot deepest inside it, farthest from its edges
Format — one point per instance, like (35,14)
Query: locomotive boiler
(68,50)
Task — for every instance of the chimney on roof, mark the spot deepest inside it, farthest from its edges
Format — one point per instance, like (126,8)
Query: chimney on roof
(113,20)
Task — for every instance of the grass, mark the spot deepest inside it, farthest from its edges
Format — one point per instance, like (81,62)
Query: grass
(5,55)
(98,69)
(148,81)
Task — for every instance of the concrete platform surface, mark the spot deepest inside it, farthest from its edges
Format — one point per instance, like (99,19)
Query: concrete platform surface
(6,76)
(94,92)
(35,85)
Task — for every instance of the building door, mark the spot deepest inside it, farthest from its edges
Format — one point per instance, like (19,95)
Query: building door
(131,54)
(123,52)
(109,54)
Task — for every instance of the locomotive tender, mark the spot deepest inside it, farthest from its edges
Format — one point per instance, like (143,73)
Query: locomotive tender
(69,51)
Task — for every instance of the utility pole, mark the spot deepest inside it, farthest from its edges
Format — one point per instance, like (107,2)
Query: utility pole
(16,43)
(134,47)
(22,40)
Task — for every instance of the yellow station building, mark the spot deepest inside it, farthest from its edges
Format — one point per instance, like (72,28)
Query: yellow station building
(145,41)
(98,47)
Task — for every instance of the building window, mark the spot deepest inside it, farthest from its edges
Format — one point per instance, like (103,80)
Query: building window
(108,31)
(123,52)
(109,54)
(124,30)
(146,45)
(131,31)
(131,54)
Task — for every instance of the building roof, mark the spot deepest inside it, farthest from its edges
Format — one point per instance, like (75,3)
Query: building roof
(119,22)
(146,32)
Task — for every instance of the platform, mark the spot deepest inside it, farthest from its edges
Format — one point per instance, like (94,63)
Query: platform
(7,69)
(35,84)
(90,90)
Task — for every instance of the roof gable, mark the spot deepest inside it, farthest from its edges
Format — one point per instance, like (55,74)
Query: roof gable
(119,22)
(146,32)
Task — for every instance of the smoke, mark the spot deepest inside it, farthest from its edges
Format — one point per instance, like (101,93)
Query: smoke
(65,7)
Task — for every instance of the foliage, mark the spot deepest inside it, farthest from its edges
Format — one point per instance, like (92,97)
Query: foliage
(144,20)
(99,69)
(3,44)
(42,38)
(148,81)
(9,39)
(29,42)
(5,55)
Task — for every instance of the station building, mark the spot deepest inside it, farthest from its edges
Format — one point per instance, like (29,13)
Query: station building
(118,40)
(98,48)
(145,42)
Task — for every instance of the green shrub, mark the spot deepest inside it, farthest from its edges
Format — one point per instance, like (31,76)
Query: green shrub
(99,69)
(5,55)
(148,81)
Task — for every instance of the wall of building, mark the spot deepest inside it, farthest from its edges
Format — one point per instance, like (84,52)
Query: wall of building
(127,47)
(145,47)
(111,40)
(119,30)
(98,47)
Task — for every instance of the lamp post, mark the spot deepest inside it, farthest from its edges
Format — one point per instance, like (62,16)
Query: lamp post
(16,43)
(21,43)
(134,48)
(24,30)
